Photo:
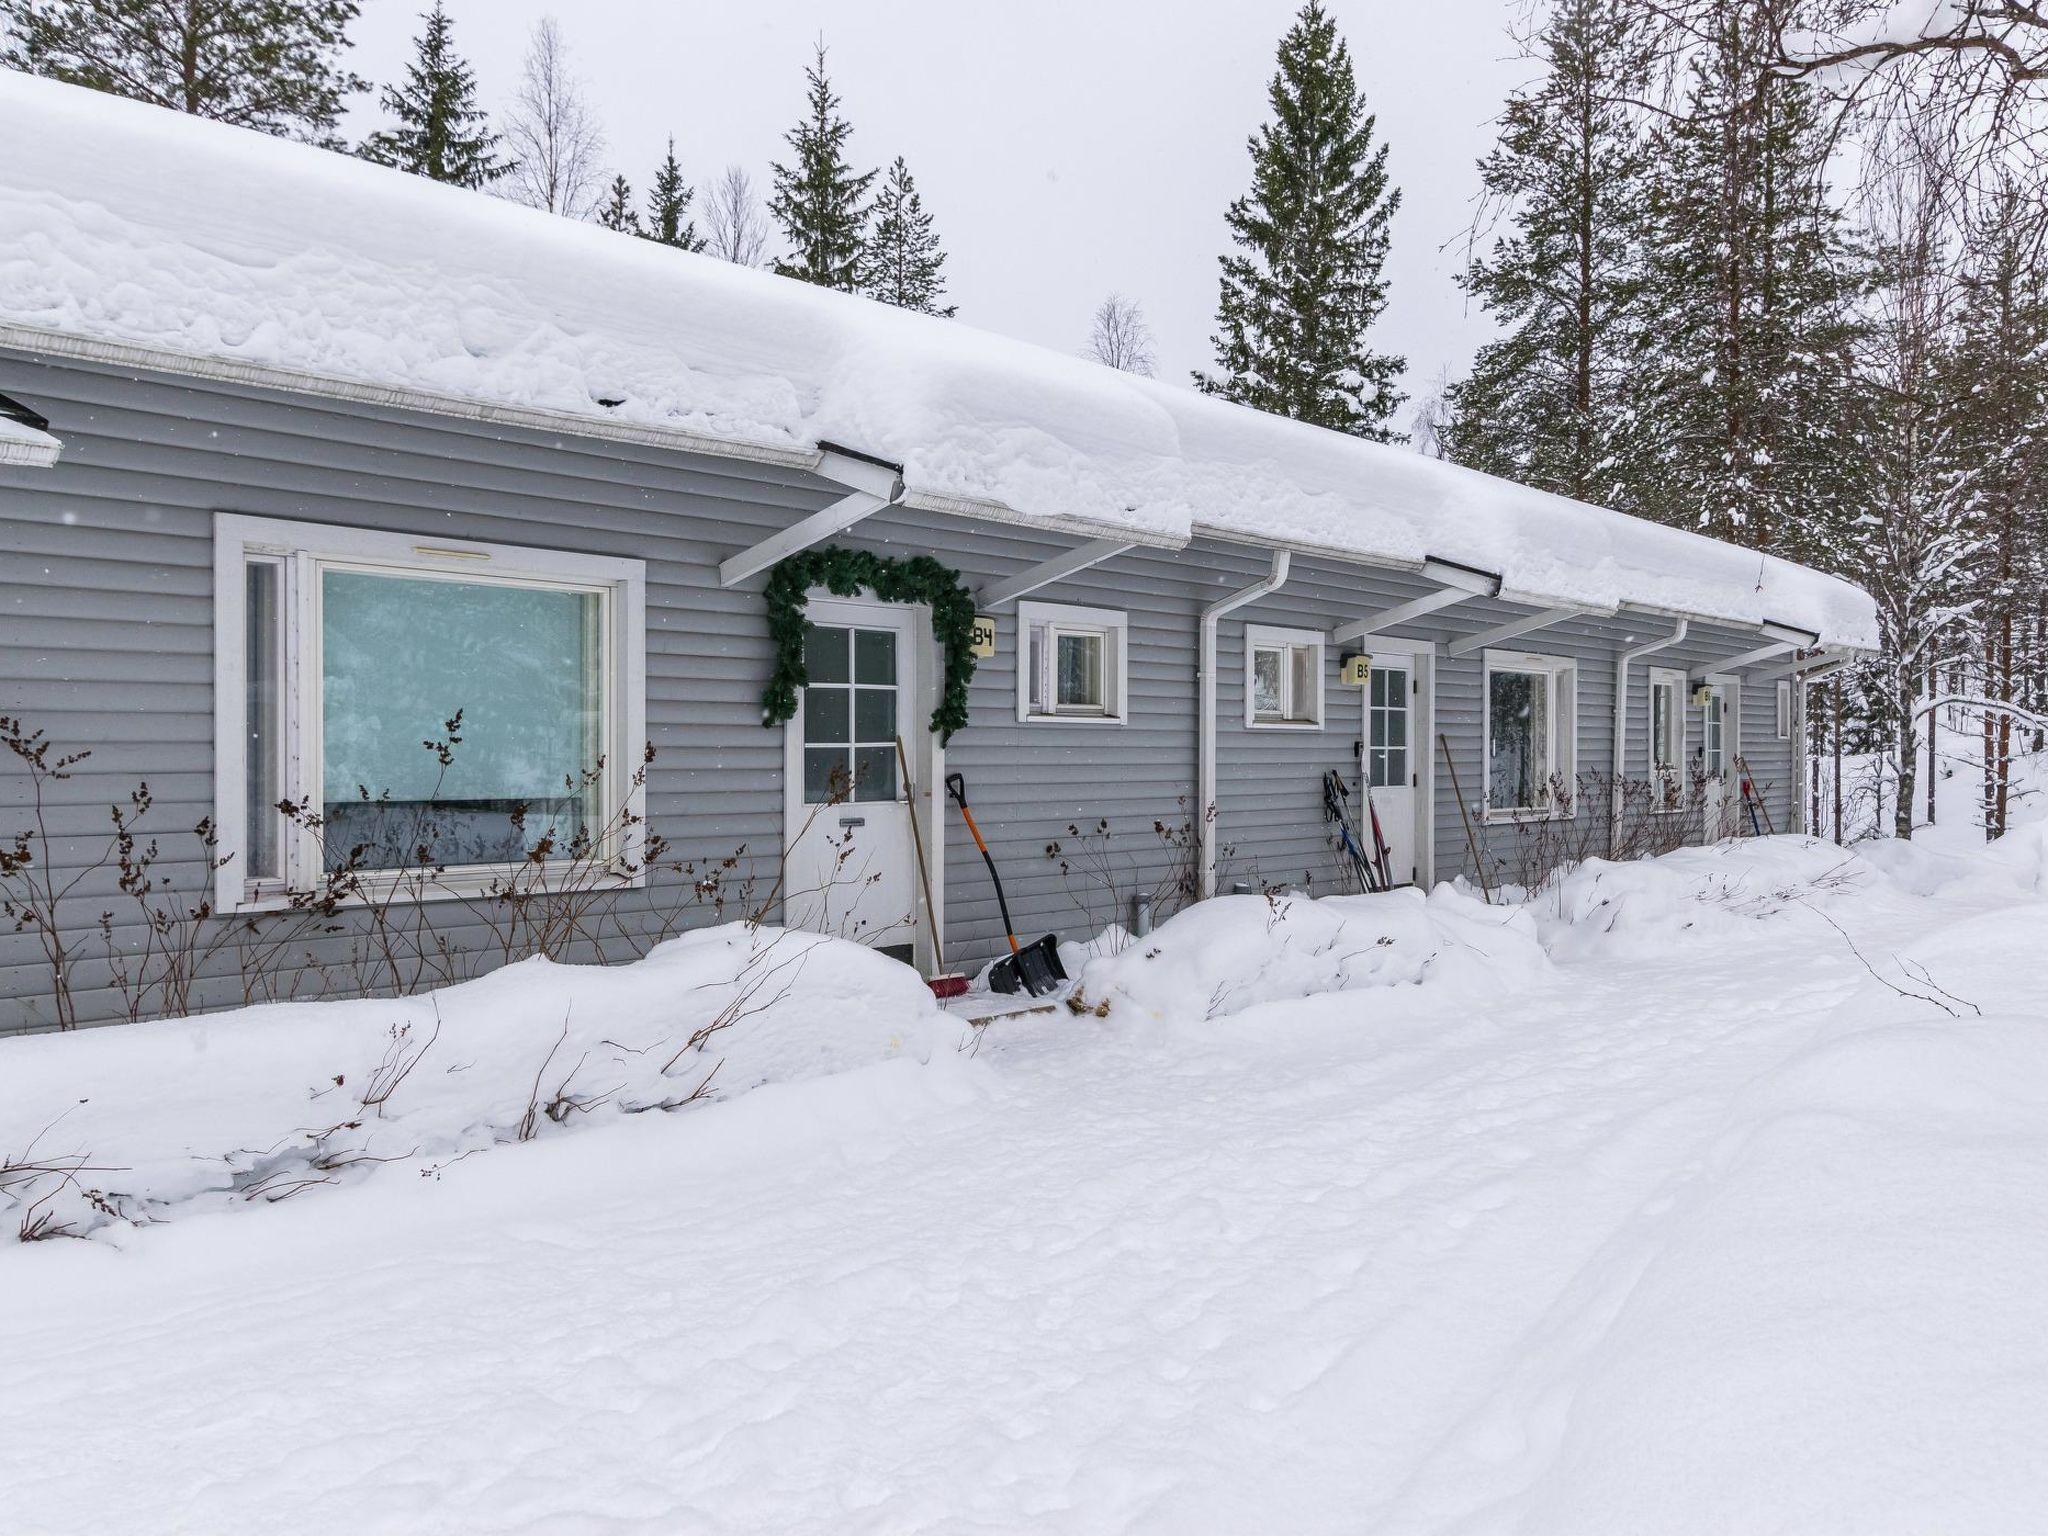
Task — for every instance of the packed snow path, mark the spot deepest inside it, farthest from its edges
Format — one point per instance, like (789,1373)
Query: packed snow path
(1728,1239)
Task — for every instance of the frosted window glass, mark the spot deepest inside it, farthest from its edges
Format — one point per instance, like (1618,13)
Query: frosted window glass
(399,656)
(264,721)
(1518,741)
(1079,673)
(1266,700)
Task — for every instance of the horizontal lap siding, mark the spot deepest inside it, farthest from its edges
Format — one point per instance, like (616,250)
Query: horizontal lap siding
(106,599)
(106,640)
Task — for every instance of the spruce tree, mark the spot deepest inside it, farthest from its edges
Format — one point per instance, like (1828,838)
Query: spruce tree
(1753,286)
(442,133)
(1555,402)
(902,261)
(668,207)
(819,199)
(616,211)
(1307,282)
(274,66)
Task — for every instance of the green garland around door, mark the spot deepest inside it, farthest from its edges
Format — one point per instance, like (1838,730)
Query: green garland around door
(845,573)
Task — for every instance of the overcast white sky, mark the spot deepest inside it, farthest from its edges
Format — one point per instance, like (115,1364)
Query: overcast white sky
(1067,147)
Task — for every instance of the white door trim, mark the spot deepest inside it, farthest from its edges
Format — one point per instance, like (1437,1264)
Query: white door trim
(918,697)
(1420,664)
(1726,815)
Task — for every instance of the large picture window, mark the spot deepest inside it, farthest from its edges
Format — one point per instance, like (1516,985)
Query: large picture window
(444,706)
(1531,709)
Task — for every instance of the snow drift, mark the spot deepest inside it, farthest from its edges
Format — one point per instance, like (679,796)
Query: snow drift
(263,1103)
(1234,952)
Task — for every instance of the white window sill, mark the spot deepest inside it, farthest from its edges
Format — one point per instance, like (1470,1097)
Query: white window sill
(1500,818)
(454,885)
(1072,719)
(1283,725)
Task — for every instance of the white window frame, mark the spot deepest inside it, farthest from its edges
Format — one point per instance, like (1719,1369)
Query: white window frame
(1266,637)
(303,550)
(1667,776)
(1784,711)
(1563,726)
(1039,626)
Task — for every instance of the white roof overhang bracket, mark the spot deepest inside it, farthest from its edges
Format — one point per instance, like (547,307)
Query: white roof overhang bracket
(1514,629)
(1830,659)
(872,485)
(1746,659)
(1456,583)
(1782,638)
(1046,572)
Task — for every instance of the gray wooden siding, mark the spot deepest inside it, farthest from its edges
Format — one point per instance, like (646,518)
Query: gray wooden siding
(106,643)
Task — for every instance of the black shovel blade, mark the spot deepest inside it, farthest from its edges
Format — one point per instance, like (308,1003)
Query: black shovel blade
(1035,969)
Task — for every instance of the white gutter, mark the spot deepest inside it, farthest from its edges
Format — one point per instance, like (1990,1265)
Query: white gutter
(1205,796)
(1621,666)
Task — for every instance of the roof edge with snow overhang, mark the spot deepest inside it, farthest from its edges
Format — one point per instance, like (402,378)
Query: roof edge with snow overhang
(141,237)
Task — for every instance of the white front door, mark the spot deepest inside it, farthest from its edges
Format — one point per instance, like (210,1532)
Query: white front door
(849,867)
(1718,746)
(1390,770)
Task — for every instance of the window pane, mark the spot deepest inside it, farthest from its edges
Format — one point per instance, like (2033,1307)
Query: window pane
(874,656)
(1660,725)
(826,715)
(874,715)
(874,773)
(1079,673)
(825,653)
(1266,685)
(1308,683)
(265,720)
(827,772)
(1518,740)
(399,657)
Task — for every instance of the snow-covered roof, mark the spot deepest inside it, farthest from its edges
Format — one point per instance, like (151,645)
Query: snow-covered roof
(21,443)
(130,229)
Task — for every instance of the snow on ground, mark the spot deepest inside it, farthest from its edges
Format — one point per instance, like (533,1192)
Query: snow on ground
(1723,1209)
(200,242)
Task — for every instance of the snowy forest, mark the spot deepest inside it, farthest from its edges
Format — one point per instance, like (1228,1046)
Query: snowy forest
(1768,269)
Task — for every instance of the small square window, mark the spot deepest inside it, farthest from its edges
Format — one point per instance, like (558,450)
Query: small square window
(1283,678)
(1072,667)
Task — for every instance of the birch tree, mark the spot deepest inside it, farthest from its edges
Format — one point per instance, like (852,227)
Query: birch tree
(556,143)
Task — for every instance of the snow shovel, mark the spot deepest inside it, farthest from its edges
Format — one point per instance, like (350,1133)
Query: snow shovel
(1035,968)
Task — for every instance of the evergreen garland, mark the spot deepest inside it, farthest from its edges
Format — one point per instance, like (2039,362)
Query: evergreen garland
(845,573)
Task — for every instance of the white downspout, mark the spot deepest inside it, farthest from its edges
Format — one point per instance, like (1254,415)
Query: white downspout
(1205,796)
(1621,666)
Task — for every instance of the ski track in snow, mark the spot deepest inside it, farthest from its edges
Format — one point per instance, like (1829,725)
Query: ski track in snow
(1337,1264)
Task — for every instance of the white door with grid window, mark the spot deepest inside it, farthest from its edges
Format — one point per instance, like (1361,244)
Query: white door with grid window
(849,866)
(1390,769)
(1718,747)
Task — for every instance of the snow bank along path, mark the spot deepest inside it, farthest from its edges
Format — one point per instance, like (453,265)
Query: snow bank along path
(1697,1228)
(139,227)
